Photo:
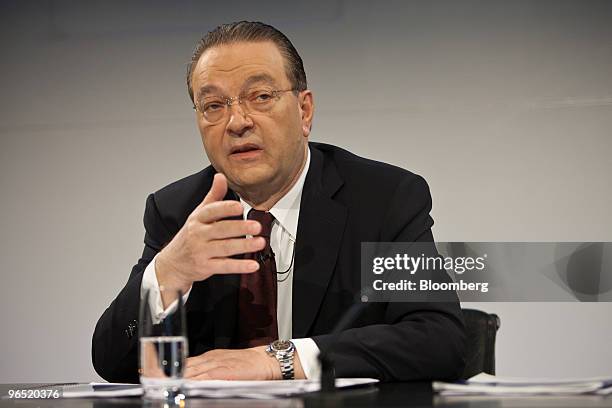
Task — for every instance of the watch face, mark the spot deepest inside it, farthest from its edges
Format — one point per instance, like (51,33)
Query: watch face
(281,345)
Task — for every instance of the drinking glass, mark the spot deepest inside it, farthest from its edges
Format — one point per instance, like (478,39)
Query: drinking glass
(163,346)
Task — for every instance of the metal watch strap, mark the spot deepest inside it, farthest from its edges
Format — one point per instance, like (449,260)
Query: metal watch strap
(283,351)
(286,365)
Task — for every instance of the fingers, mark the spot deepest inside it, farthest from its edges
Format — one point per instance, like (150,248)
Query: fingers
(235,246)
(216,373)
(217,190)
(233,228)
(227,266)
(208,238)
(235,364)
(207,357)
(199,364)
(218,210)
(212,365)
(193,371)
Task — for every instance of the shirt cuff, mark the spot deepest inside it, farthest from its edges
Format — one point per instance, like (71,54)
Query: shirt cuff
(151,285)
(308,351)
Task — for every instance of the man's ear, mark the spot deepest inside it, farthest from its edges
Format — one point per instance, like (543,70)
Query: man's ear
(306,102)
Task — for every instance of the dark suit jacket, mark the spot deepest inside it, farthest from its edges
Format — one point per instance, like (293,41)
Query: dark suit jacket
(346,200)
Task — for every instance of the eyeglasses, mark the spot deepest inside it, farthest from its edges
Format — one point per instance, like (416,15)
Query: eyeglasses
(256,100)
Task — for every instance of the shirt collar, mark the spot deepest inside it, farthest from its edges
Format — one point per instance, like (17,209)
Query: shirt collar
(287,210)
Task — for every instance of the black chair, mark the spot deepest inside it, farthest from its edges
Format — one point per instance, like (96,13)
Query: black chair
(481,329)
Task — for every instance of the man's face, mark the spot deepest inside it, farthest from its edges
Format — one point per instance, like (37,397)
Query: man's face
(254,150)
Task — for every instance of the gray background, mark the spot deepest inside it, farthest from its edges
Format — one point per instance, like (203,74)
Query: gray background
(504,107)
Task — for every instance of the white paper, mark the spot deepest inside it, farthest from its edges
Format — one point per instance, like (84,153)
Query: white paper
(485,384)
(102,390)
(263,389)
(215,388)
(484,378)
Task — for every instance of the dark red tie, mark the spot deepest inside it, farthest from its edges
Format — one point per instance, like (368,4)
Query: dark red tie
(257,297)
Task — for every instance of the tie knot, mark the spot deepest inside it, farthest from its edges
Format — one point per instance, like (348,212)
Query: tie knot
(265,219)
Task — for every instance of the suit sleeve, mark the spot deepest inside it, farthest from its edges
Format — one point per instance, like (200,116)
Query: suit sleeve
(114,348)
(411,340)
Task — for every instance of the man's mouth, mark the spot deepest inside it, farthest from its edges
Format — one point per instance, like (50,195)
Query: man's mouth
(246,150)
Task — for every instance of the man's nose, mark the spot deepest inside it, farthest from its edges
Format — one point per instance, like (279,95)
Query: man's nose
(239,121)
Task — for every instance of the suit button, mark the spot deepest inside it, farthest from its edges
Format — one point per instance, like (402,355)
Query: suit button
(131,329)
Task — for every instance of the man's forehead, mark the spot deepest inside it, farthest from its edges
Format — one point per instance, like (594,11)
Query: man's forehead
(238,64)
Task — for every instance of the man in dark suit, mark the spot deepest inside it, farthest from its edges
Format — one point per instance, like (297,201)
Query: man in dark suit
(266,241)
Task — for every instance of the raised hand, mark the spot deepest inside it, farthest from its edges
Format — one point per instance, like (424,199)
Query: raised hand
(205,243)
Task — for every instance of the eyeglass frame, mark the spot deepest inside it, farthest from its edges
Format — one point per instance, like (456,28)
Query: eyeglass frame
(229,101)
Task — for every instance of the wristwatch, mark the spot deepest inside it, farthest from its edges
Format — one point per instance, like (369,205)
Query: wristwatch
(283,351)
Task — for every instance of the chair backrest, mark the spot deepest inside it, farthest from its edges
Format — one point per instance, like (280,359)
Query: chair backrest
(481,329)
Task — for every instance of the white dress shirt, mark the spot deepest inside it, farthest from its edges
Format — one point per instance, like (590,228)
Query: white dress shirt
(286,214)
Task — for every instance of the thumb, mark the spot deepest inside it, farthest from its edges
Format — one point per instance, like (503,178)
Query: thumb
(217,190)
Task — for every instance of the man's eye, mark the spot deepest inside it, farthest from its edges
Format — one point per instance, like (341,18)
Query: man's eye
(213,106)
(261,96)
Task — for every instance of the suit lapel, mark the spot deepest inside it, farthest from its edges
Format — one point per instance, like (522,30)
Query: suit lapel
(320,229)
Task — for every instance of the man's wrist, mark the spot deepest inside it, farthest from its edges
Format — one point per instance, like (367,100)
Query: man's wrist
(283,351)
(167,282)
(273,368)
(297,366)
(167,276)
